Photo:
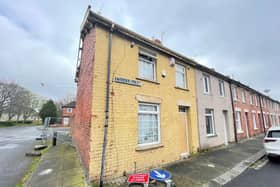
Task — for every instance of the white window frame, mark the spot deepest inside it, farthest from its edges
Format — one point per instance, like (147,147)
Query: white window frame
(142,60)
(238,121)
(158,119)
(69,110)
(251,99)
(254,120)
(212,120)
(256,100)
(243,96)
(234,93)
(206,83)
(222,88)
(184,75)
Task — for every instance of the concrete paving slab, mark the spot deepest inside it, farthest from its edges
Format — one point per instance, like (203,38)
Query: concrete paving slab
(205,167)
(65,168)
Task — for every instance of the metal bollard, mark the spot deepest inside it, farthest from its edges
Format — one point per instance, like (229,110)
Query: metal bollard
(54,138)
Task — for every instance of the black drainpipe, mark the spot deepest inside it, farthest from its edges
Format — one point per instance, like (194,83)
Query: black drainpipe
(106,107)
(233,112)
(261,113)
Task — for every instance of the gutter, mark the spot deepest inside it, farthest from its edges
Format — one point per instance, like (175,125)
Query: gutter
(107,98)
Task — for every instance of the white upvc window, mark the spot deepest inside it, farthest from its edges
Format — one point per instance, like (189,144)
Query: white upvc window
(209,121)
(251,99)
(234,93)
(238,122)
(243,96)
(181,77)
(254,120)
(148,124)
(221,88)
(206,84)
(147,65)
(69,110)
(256,100)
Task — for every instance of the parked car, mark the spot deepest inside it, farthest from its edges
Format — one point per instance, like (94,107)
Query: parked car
(272,142)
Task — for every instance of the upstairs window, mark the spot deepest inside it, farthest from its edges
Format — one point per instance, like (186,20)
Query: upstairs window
(243,96)
(234,93)
(251,99)
(69,110)
(147,65)
(206,84)
(221,88)
(181,80)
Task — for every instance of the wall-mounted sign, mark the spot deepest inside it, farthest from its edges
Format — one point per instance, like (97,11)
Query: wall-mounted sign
(127,81)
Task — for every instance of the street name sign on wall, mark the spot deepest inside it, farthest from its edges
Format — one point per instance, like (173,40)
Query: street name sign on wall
(160,175)
(127,81)
(142,178)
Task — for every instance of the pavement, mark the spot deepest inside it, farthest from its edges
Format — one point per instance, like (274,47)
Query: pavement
(219,166)
(59,167)
(14,143)
(261,174)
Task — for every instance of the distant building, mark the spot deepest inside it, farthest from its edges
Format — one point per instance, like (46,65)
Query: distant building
(68,113)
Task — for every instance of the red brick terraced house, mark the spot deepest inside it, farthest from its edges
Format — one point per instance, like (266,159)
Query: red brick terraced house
(249,105)
(68,112)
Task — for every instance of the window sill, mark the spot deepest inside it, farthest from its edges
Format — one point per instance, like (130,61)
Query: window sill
(256,129)
(240,132)
(180,88)
(148,147)
(207,93)
(147,80)
(211,135)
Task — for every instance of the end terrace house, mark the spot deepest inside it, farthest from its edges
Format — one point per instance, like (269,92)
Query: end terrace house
(138,93)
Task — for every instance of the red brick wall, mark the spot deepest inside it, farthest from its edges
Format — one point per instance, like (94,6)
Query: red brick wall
(247,107)
(65,113)
(82,121)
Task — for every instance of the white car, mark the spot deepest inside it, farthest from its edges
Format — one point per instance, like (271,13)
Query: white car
(272,142)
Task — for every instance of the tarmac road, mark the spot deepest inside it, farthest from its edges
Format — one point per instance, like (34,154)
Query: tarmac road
(264,174)
(14,143)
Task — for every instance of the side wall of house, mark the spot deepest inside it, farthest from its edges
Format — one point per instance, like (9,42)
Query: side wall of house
(82,122)
(124,155)
(219,104)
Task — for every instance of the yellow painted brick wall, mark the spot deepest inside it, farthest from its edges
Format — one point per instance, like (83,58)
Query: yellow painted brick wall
(123,134)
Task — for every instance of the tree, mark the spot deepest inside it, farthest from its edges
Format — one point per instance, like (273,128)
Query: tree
(48,110)
(7,90)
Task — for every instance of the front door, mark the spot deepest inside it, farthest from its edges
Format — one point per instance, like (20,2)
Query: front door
(183,115)
(247,124)
(225,113)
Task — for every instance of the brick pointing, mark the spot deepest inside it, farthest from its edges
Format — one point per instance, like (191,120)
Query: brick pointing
(82,123)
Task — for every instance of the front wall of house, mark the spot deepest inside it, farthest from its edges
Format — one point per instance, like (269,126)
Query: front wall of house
(218,104)
(247,107)
(123,153)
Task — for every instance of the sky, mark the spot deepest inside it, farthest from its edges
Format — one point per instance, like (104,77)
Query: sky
(39,39)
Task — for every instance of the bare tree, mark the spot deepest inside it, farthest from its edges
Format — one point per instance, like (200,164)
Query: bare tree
(6,92)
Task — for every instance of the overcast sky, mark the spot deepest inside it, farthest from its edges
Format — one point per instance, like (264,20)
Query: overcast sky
(39,39)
